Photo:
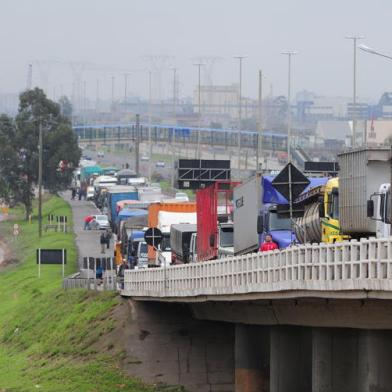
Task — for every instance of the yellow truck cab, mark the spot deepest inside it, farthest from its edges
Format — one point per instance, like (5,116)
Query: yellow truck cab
(330,226)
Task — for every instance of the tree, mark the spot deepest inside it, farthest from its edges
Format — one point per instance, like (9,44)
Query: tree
(20,148)
(65,107)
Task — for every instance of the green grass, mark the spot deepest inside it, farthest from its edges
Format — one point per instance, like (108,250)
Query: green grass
(48,336)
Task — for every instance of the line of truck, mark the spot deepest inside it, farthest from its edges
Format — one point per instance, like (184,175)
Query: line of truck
(231,218)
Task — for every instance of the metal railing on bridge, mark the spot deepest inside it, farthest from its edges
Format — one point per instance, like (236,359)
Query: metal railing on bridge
(364,265)
(120,133)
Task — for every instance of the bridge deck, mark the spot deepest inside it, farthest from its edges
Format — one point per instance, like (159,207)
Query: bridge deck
(352,269)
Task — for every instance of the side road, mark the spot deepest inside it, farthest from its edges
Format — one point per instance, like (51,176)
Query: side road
(87,241)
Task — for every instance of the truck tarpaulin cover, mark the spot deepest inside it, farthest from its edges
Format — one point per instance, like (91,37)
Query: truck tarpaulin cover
(136,215)
(271,195)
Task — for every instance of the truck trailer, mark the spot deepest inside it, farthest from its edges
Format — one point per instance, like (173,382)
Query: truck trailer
(362,172)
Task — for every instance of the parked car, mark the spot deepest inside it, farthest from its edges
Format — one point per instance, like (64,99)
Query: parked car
(181,196)
(100,154)
(145,158)
(160,164)
(102,222)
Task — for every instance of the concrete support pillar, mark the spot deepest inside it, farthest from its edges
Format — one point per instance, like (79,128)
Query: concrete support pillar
(375,359)
(335,360)
(291,359)
(251,358)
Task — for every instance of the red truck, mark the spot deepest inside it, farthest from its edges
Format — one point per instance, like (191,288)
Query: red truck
(214,206)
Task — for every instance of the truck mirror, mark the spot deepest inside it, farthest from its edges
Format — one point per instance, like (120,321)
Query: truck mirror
(260,224)
(321,210)
(370,209)
(212,240)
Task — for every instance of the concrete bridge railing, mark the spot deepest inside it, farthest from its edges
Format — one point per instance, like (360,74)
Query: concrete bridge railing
(314,269)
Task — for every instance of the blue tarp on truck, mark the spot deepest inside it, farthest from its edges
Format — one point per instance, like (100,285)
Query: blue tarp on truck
(115,196)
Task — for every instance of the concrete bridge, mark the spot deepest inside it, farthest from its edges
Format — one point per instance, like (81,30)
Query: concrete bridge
(314,318)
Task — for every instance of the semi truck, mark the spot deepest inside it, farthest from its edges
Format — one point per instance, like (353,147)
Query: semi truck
(364,172)
(379,209)
(155,219)
(115,194)
(256,214)
(180,242)
(214,220)
(320,221)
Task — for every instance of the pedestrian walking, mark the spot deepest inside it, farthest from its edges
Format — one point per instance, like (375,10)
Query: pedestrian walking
(102,241)
(108,237)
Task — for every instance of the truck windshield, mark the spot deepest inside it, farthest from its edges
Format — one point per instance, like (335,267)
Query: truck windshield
(333,205)
(226,237)
(277,223)
(387,218)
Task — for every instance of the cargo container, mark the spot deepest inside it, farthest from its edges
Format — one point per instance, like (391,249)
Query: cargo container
(362,172)
(217,197)
(180,241)
(153,221)
(115,194)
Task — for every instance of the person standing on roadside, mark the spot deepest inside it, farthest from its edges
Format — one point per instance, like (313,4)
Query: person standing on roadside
(102,241)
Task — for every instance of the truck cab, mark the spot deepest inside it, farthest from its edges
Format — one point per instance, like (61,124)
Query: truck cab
(193,248)
(269,222)
(329,213)
(379,209)
(226,239)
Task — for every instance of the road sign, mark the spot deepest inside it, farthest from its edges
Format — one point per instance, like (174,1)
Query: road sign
(290,178)
(153,237)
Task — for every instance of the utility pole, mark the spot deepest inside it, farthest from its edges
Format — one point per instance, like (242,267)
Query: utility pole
(126,87)
(40,148)
(174,91)
(199,65)
(29,77)
(112,89)
(354,38)
(239,58)
(137,142)
(289,54)
(149,124)
(259,155)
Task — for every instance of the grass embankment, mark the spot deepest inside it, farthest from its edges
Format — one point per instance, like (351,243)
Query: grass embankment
(47,335)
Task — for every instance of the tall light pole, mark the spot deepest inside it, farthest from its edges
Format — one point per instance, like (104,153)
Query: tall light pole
(149,124)
(240,58)
(259,146)
(354,38)
(199,65)
(289,54)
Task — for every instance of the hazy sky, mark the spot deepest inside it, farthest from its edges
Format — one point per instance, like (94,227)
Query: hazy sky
(119,33)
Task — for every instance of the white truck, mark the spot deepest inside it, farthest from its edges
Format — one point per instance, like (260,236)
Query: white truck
(364,192)
(165,220)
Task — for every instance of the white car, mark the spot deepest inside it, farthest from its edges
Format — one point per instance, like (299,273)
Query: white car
(145,158)
(160,164)
(102,222)
(100,154)
(181,196)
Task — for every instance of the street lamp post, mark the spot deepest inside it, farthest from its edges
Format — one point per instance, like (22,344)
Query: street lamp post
(239,58)
(149,124)
(289,54)
(199,65)
(354,38)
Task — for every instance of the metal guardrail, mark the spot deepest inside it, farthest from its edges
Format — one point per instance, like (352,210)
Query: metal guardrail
(107,283)
(351,265)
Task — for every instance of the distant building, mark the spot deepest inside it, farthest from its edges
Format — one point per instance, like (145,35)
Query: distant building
(328,132)
(217,100)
